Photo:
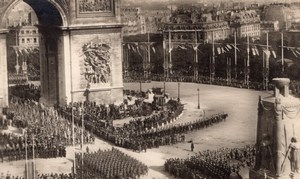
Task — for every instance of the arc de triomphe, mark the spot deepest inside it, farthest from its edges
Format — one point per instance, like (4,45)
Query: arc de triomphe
(80,49)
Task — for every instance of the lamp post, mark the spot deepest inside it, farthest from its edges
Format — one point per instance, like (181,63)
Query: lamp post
(164,88)
(140,85)
(198,98)
(178,92)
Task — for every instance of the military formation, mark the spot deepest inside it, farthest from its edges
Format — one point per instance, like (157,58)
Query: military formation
(212,164)
(108,164)
(49,131)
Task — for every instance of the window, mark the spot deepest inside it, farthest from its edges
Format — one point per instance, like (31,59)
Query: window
(34,31)
(27,31)
(23,41)
(28,40)
(22,31)
(34,40)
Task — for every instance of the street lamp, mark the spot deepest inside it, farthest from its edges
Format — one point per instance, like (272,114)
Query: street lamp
(178,92)
(198,98)
(140,85)
(164,88)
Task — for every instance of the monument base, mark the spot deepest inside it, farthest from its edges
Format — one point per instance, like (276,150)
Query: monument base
(261,174)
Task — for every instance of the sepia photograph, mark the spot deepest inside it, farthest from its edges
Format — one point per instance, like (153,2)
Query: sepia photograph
(157,89)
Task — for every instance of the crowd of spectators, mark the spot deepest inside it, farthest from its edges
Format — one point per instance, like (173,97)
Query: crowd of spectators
(223,163)
(203,80)
(3,123)
(41,176)
(108,164)
(26,91)
(18,79)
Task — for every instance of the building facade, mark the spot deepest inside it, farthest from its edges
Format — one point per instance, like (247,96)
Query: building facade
(134,22)
(29,36)
(245,23)
(269,26)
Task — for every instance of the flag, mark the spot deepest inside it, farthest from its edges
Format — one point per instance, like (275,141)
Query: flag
(256,50)
(294,52)
(253,51)
(274,54)
(195,47)
(138,49)
(128,46)
(222,50)
(227,49)
(219,50)
(164,45)
(229,46)
(266,56)
(248,62)
(170,49)
(182,47)
(153,49)
(297,52)
(133,48)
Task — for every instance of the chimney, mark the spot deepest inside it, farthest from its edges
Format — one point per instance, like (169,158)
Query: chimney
(281,87)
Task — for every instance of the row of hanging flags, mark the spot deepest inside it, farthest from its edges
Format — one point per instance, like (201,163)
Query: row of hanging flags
(138,47)
(220,49)
(25,50)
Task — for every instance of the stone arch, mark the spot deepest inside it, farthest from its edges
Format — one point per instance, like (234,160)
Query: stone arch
(62,9)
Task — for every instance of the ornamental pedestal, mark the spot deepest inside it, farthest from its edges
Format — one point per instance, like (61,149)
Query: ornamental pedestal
(276,139)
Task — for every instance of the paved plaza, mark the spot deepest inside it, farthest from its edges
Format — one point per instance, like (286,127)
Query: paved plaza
(238,130)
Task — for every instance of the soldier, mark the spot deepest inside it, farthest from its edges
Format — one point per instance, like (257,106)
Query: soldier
(192,146)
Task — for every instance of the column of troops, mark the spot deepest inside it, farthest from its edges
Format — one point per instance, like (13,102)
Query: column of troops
(223,163)
(141,134)
(108,164)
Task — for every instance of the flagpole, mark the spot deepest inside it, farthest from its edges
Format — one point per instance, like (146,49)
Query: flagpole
(33,158)
(26,156)
(213,56)
(230,70)
(235,56)
(196,57)
(73,136)
(227,71)
(165,61)
(149,56)
(170,51)
(82,130)
(248,62)
(267,64)
(282,62)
